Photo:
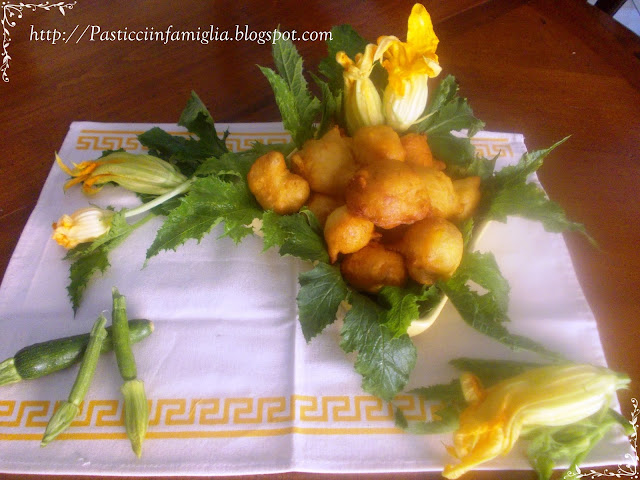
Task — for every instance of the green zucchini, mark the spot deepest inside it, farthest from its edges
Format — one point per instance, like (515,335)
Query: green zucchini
(44,358)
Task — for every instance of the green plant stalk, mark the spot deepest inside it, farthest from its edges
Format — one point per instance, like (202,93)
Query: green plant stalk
(63,417)
(136,410)
(159,200)
(121,344)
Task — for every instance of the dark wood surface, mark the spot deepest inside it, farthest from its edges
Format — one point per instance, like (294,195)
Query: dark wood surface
(544,68)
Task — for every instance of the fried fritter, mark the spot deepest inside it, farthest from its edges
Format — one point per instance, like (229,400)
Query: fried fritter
(417,149)
(378,143)
(327,163)
(275,187)
(388,193)
(432,249)
(346,233)
(372,267)
(444,202)
(322,205)
(468,193)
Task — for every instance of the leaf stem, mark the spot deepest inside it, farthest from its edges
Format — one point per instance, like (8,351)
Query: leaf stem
(183,187)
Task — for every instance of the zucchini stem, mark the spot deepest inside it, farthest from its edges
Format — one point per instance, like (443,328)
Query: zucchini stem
(136,408)
(8,372)
(120,332)
(62,418)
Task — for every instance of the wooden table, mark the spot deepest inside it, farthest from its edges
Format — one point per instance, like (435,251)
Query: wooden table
(544,68)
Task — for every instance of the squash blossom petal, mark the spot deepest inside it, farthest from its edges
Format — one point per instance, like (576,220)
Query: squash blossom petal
(362,103)
(138,173)
(546,396)
(409,65)
(84,225)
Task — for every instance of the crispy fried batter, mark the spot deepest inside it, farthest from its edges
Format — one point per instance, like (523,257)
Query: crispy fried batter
(417,149)
(327,164)
(322,205)
(372,267)
(275,187)
(388,193)
(432,248)
(378,143)
(346,233)
(468,193)
(444,202)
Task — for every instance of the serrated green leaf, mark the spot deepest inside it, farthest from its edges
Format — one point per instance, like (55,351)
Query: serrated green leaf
(509,194)
(403,309)
(210,201)
(384,361)
(444,93)
(443,392)
(238,164)
(402,305)
(528,200)
(454,115)
(483,269)
(298,108)
(187,153)
(93,258)
(486,312)
(343,38)
(360,323)
(322,289)
(453,151)
(298,235)
(196,118)
(528,164)
(549,445)
(330,106)
(446,112)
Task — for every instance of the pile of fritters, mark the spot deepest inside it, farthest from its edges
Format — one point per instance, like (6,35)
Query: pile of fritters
(388,209)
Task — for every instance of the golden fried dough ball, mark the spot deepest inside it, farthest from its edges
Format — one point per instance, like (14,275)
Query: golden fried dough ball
(372,267)
(432,248)
(327,163)
(322,205)
(275,187)
(417,149)
(444,202)
(378,143)
(346,233)
(388,193)
(468,193)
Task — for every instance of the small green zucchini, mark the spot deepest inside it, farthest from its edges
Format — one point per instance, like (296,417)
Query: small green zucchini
(44,358)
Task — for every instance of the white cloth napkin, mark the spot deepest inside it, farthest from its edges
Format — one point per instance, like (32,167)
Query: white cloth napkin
(234,388)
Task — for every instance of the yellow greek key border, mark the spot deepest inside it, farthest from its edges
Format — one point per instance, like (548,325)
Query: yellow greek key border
(219,417)
(99,140)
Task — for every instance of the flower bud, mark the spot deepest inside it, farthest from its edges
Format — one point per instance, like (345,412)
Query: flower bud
(84,225)
(136,413)
(362,103)
(547,396)
(409,65)
(402,111)
(138,173)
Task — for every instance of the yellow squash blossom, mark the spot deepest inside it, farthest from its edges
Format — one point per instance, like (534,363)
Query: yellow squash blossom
(84,225)
(409,65)
(138,173)
(362,103)
(545,396)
